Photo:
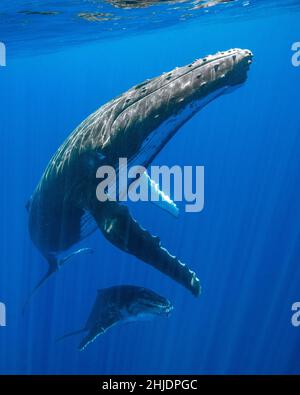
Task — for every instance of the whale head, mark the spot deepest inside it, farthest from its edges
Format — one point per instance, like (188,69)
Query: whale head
(150,113)
(146,304)
(187,89)
(193,82)
(207,75)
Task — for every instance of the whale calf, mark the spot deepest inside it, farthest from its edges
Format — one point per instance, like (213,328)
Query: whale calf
(122,303)
(136,125)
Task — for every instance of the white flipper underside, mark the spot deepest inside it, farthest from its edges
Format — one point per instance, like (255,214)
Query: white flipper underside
(158,197)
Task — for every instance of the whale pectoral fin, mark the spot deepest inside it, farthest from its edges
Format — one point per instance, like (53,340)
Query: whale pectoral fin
(123,231)
(108,320)
(158,197)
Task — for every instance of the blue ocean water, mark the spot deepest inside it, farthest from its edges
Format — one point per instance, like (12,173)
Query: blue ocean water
(244,245)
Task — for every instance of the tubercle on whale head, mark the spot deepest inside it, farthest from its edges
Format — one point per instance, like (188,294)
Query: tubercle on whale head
(215,67)
(242,59)
(224,66)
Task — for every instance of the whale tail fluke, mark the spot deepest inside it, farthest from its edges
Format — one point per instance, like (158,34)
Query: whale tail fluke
(53,267)
(123,231)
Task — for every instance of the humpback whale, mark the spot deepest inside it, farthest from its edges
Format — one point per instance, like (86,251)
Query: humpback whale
(122,303)
(136,125)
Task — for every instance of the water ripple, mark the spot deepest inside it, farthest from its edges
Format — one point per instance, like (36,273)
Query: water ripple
(48,25)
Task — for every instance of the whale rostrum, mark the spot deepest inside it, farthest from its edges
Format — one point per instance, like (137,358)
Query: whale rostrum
(136,125)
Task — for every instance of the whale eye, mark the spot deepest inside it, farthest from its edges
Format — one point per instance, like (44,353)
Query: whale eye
(199,76)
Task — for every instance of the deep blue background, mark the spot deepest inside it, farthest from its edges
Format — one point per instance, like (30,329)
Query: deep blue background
(244,245)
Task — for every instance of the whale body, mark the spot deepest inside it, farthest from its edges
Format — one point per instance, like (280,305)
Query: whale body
(136,125)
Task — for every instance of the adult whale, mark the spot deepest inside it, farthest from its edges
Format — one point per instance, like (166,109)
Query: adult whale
(63,209)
